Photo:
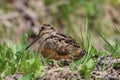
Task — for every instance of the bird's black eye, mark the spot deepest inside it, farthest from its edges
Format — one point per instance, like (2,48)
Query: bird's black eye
(52,28)
(42,28)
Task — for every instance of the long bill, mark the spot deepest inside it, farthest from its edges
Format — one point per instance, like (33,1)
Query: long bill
(32,43)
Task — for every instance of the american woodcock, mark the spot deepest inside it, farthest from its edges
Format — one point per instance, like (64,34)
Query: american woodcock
(56,45)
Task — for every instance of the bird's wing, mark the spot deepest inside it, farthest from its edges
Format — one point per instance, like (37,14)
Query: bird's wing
(69,39)
(61,43)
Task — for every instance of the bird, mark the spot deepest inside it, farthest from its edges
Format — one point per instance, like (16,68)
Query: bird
(57,45)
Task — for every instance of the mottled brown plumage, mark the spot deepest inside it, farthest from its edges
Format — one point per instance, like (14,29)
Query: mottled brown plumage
(56,45)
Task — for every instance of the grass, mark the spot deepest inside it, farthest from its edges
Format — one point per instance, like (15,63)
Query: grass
(113,50)
(15,59)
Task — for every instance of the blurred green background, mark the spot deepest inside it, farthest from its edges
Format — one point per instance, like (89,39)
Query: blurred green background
(67,16)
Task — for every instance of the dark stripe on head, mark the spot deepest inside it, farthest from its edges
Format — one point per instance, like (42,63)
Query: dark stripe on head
(46,25)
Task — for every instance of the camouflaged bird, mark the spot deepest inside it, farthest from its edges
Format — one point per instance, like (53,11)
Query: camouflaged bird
(56,45)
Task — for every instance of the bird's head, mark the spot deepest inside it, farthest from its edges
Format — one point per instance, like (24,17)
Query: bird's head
(46,29)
